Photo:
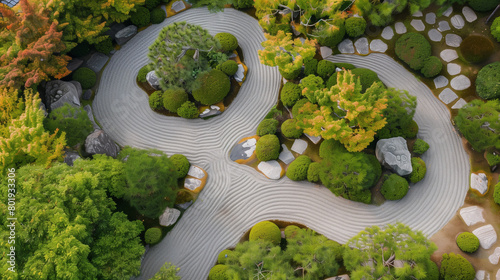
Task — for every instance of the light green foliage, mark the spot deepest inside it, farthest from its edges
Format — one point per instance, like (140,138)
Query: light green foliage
(325,69)
(355,26)
(399,114)
(214,86)
(384,245)
(167,272)
(419,170)
(495,29)
(380,13)
(74,121)
(266,231)
(456,267)
(85,76)
(310,85)
(366,77)
(181,164)
(330,34)
(141,17)
(274,113)
(432,271)
(268,147)
(467,242)
(156,100)
(227,41)
(212,5)
(105,46)
(267,126)
(290,129)
(496,194)
(143,72)
(395,187)
(297,170)
(173,98)
(432,67)
(493,158)
(331,148)
(298,105)
(420,147)
(290,94)
(310,67)
(188,110)
(158,15)
(413,49)
(152,235)
(313,172)
(487,85)
(221,259)
(218,272)
(229,67)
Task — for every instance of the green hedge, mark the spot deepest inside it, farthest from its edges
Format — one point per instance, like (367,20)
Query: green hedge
(313,172)
(483,5)
(173,98)
(420,147)
(158,15)
(289,129)
(325,69)
(74,121)
(355,26)
(143,72)
(267,231)
(291,231)
(268,147)
(105,46)
(267,126)
(395,187)
(330,148)
(310,67)
(432,271)
(188,110)
(227,41)
(419,170)
(297,170)
(85,76)
(218,272)
(151,4)
(496,194)
(432,67)
(215,85)
(181,164)
(141,17)
(366,76)
(156,100)
(229,67)
(456,267)
(495,29)
(290,94)
(298,105)
(152,235)
(487,85)
(242,4)
(222,257)
(413,49)
(467,242)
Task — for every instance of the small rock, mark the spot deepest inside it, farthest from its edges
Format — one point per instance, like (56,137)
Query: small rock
(418,25)
(192,184)
(443,26)
(448,12)
(487,236)
(469,14)
(449,55)
(153,80)
(196,172)
(113,29)
(286,156)
(169,217)
(453,69)
(58,93)
(346,46)
(184,205)
(240,74)
(400,27)
(70,157)
(387,33)
(435,35)
(459,104)
(88,109)
(299,146)
(453,40)
(99,142)
(178,6)
(440,81)
(97,62)
(314,139)
(272,169)
(494,258)
(460,82)
(472,215)
(448,96)
(209,113)
(378,45)
(393,153)
(457,21)
(498,275)
(481,275)
(124,35)
(74,64)
(430,18)
(362,45)
(417,14)
(243,150)
(87,95)
(325,51)
(479,182)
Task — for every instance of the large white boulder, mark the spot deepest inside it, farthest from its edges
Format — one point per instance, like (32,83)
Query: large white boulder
(487,236)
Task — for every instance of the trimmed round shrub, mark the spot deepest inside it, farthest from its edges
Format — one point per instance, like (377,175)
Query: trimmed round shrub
(496,194)
(215,85)
(290,75)
(395,187)
(151,4)
(467,242)
(291,231)
(221,259)
(218,272)
(105,46)
(243,4)
(85,76)
(420,147)
(331,148)
(432,67)
(487,85)
(331,39)
(310,67)
(483,5)
(156,100)
(158,15)
(152,235)
(432,271)
(313,172)
(456,267)
(298,105)
(181,164)
(173,98)
(366,77)
(325,69)
(290,94)
(495,29)
(141,17)
(289,129)
(268,147)
(143,72)
(82,49)
(476,48)
(419,169)
(267,126)
(355,26)
(411,130)
(229,67)
(413,49)
(297,170)
(267,231)
(227,41)
(74,121)
(188,110)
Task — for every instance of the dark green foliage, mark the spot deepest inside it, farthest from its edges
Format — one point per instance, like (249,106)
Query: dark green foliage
(215,85)
(181,164)
(399,114)
(492,158)
(143,72)
(346,66)
(188,110)
(377,168)
(290,76)
(227,41)
(467,242)
(331,148)
(366,76)
(229,67)
(242,4)
(483,5)
(476,48)
(412,130)
(432,271)
(456,267)
(290,94)
(105,46)
(487,82)
(158,15)
(152,235)
(496,194)
(74,121)
(395,187)
(298,105)
(173,98)
(310,67)
(495,29)
(419,170)
(297,170)
(156,100)
(432,67)
(80,50)
(420,147)
(268,147)
(141,17)
(313,172)
(413,49)
(332,38)
(151,4)
(221,259)
(325,69)
(289,129)
(267,126)
(218,272)
(266,231)
(85,76)
(274,113)
(355,26)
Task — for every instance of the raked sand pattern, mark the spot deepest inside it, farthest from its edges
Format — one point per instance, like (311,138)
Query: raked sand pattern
(236,196)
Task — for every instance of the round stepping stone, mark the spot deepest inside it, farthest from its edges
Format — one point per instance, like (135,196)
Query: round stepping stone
(449,55)
(400,27)
(418,25)
(435,35)
(430,18)
(387,33)
(448,96)
(448,12)
(378,45)
(469,14)
(443,26)
(454,69)
(417,14)
(460,103)
(440,81)
(457,21)
(453,40)
(460,82)
(346,46)
(362,46)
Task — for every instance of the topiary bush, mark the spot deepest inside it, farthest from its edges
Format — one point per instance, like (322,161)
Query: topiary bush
(158,15)
(227,41)
(143,72)
(413,49)
(496,194)
(366,76)
(267,231)
(310,67)
(173,98)
(85,76)
(74,121)
(467,242)
(495,29)
(395,187)
(267,126)
(432,67)
(156,100)
(325,69)
(297,170)
(215,85)
(289,129)
(290,94)
(290,75)
(355,26)
(487,85)
(419,170)
(229,67)
(331,38)
(105,46)
(141,17)
(181,164)
(221,259)
(411,130)
(188,110)
(152,235)
(492,158)
(420,147)
(218,272)
(151,4)
(298,105)
(431,271)
(456,267)
(291,231)
(313,172)
(268,147)
(483,5)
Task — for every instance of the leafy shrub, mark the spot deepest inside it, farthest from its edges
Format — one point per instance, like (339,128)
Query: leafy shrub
(366,76)
(355,26)
(487,85)
(215,85)
(229,67)
(313,172)
(218,272)
(432,271)
(158,15)
(325,69)
(399,114)
(310,67)
(290,129)
(152,235)
(291,231)
(267,231)
(82,49)
(221,259)
(290,75)
(297,170)
(188,110)
(298,105)
(395,187)
(74,121)
(290,94)
(496,194)
(105,46)
(331,38)
(273,29)
(151,4)
(143,72)
(495,29)
(376,168)
(432,67)
(419,169)
(420,147)
(492,159)
(331,81)
(227,41)
(267,126)
(181,164)
(456,267)
(156,100)
(467,242)
(411,130)
(173,98)
(413,49)
(330,148)
(141,17)
(274,113)
(483,5)
(242,4)
(268,147)
(85,76)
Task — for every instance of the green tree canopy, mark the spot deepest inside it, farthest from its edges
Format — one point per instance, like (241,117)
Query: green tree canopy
(399,113)
(167,272)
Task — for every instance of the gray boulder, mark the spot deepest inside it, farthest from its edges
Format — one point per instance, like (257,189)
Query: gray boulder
(87,95)
(88,109)
(58,93)
(114,28)
(74,64)
(99,142)
(393,153)
(124,35)
(153,80)
(70,157)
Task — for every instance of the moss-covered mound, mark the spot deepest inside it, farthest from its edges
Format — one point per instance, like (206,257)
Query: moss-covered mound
(289,129)
(188,110)
(456,267)
(419,169)
(432,67)
(467,242)
(221,259)
(487,82)
(267,126)
(173,98)
(310,67)
(267,231)
(290,94)
(85,76)
(181,164)
(215,85)
(395,187)
(143,72)
(141,17)
(325,69)
(420,147)
(158,15)
(413,49)
(291,231)
(229,67)
(297,170)
(156,100)
(355,26)
(366,76)
(227,41)
(218,272)
(476,48)
(152,235)
(268,147)
(313,172)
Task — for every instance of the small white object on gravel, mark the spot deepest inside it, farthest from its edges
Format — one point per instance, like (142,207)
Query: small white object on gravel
(453,40)
(400,27)
(387,33)
(325,51)
(196,172)
(272,169)
(469,14)
(435,35)
(443,26)
(440,81)
(299,146)
(487,236)
(472,215)
(448,12)
(460,82)
(479,182)
(430,18)
(286,156)
(448,96)
(378,45)
(362,45)
(494,258)
(460,103)
(417,14)
(449,55)
(457,21)
(346,46)
(453,68)
(418,25)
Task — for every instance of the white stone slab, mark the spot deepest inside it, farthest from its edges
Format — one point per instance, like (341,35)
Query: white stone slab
(472,215)
(314,139)
(196,172)
(272,169)
(443,26)
(449,55)
(479,182)
(418,25)
(440,81)
(299,146)
(453,40)
(362,45)
(448,12)
(430,18)
(448,96)
(387,33)
(378,45)
(487,236)
(178,6)
(286,156)
(417,14)
(400,27)
(325,51)
(481,275)
(457,21)
(192,184)
(459,104)
(435,35)
(495,257)
(346,46)
(453,69)
(169,217)
(469,14)
(460,82)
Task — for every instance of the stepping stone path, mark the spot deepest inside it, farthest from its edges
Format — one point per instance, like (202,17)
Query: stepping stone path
(453,40)
(435,35)
(486,235)
(346,46)
(362,46)
(440,81)
(448,96)
(479,182)
(460,82)
(378,45)
(460,103)
(469,14)
(472,215)
(430,18)
(494,258)
(387,33)
(418,25)
(299,146)
(271,169)
(443,26)
(400,27)
(448,12)
(286,156)
(454,69)
(449,55)
(325,52)
(457,21)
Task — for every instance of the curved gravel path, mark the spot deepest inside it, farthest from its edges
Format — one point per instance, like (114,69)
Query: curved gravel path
(237,196)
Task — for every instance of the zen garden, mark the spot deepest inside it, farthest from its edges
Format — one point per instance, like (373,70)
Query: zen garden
(250,139)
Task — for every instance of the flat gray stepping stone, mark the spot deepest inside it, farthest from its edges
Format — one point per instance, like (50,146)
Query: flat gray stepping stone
(400,27)
(346,46)
(314,139)
(460,103)
(97,61)
(362,45)
(449,55)
(430,18)
(443,26)
(457,21)
(387,33)
(448,96)
(435,35)
(469,14)
(417,14)
(440,81)
(454,69)
(378,45)
(460,82)
(487,236)
(299,146)
(472,215)
(325,51)
(418,25)
(453,40)
(286,156)
(448,12)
